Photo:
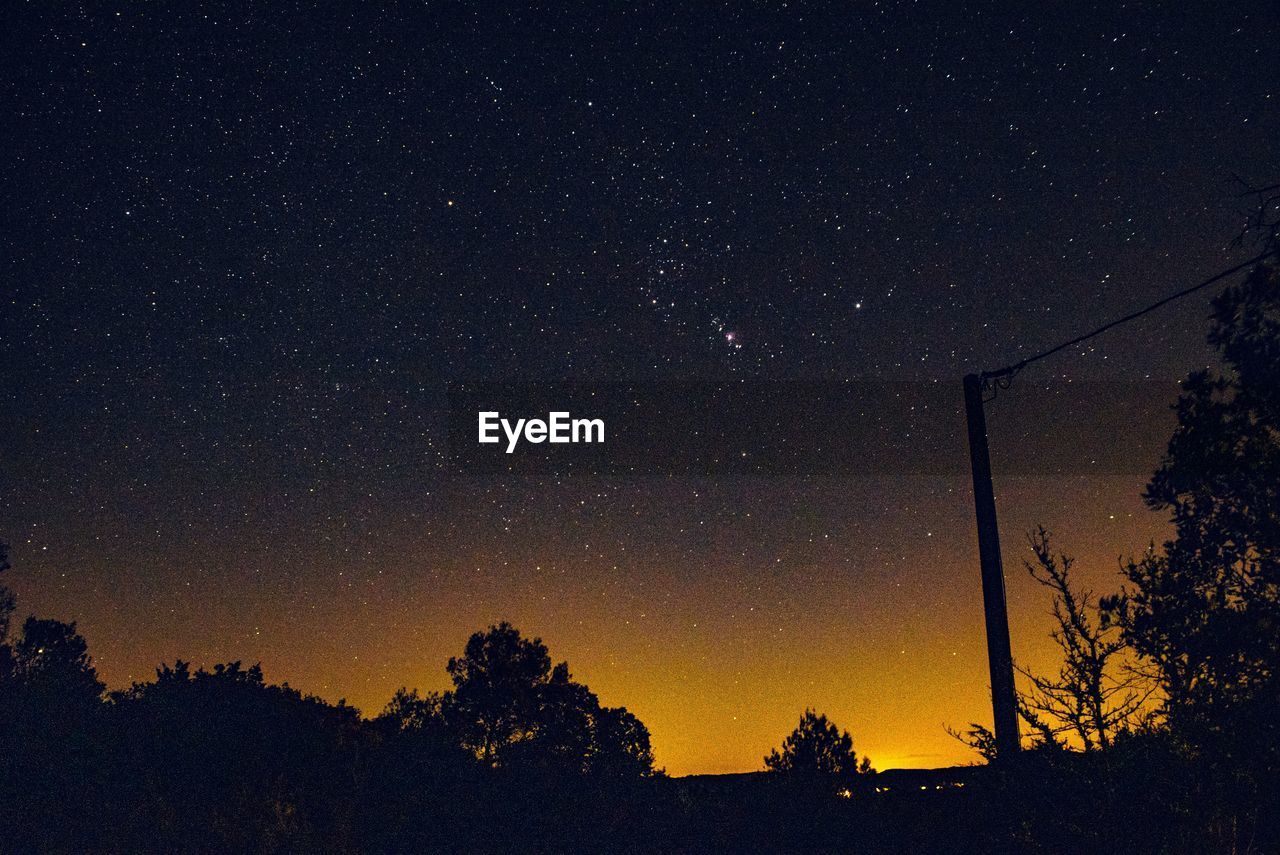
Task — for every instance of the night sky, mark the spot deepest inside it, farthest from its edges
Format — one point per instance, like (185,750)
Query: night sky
(245,252)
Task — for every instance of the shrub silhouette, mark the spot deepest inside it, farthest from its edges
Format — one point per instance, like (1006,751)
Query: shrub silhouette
(818,751)
(510,706)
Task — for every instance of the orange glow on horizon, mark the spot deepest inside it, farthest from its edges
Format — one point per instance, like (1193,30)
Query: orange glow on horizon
(719,669)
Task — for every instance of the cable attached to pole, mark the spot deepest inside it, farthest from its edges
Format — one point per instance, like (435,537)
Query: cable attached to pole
(1002,376)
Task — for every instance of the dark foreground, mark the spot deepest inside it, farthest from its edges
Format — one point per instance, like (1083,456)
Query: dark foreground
(1066,803)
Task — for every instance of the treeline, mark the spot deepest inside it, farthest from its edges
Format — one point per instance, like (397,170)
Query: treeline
(221,760)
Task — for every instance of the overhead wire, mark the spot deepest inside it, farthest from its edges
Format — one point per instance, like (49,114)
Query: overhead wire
(1005,374)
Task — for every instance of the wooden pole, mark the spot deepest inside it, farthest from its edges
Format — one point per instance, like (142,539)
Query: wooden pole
(999,655)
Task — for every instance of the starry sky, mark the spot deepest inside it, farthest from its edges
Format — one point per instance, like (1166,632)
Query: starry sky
(247,253)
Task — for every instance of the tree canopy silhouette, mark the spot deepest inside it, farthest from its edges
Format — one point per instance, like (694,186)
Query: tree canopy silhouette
(1094,695)
(1204,609)
(817,749)
(509,705)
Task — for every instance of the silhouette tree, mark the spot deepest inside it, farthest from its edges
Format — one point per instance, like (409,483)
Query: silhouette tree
(1205,609)
(48,663)
(509,706)
(979,737)
(621,746)
(50,718)
(817,749)
(1093,695)
(50,659)
(409,711)
(227,762)
(422,786)
(497,683)
(564,725)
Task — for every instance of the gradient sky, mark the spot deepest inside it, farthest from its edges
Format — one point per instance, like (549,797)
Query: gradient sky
(246,253)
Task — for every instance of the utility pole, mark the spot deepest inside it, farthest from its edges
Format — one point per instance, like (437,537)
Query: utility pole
(1004,703)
